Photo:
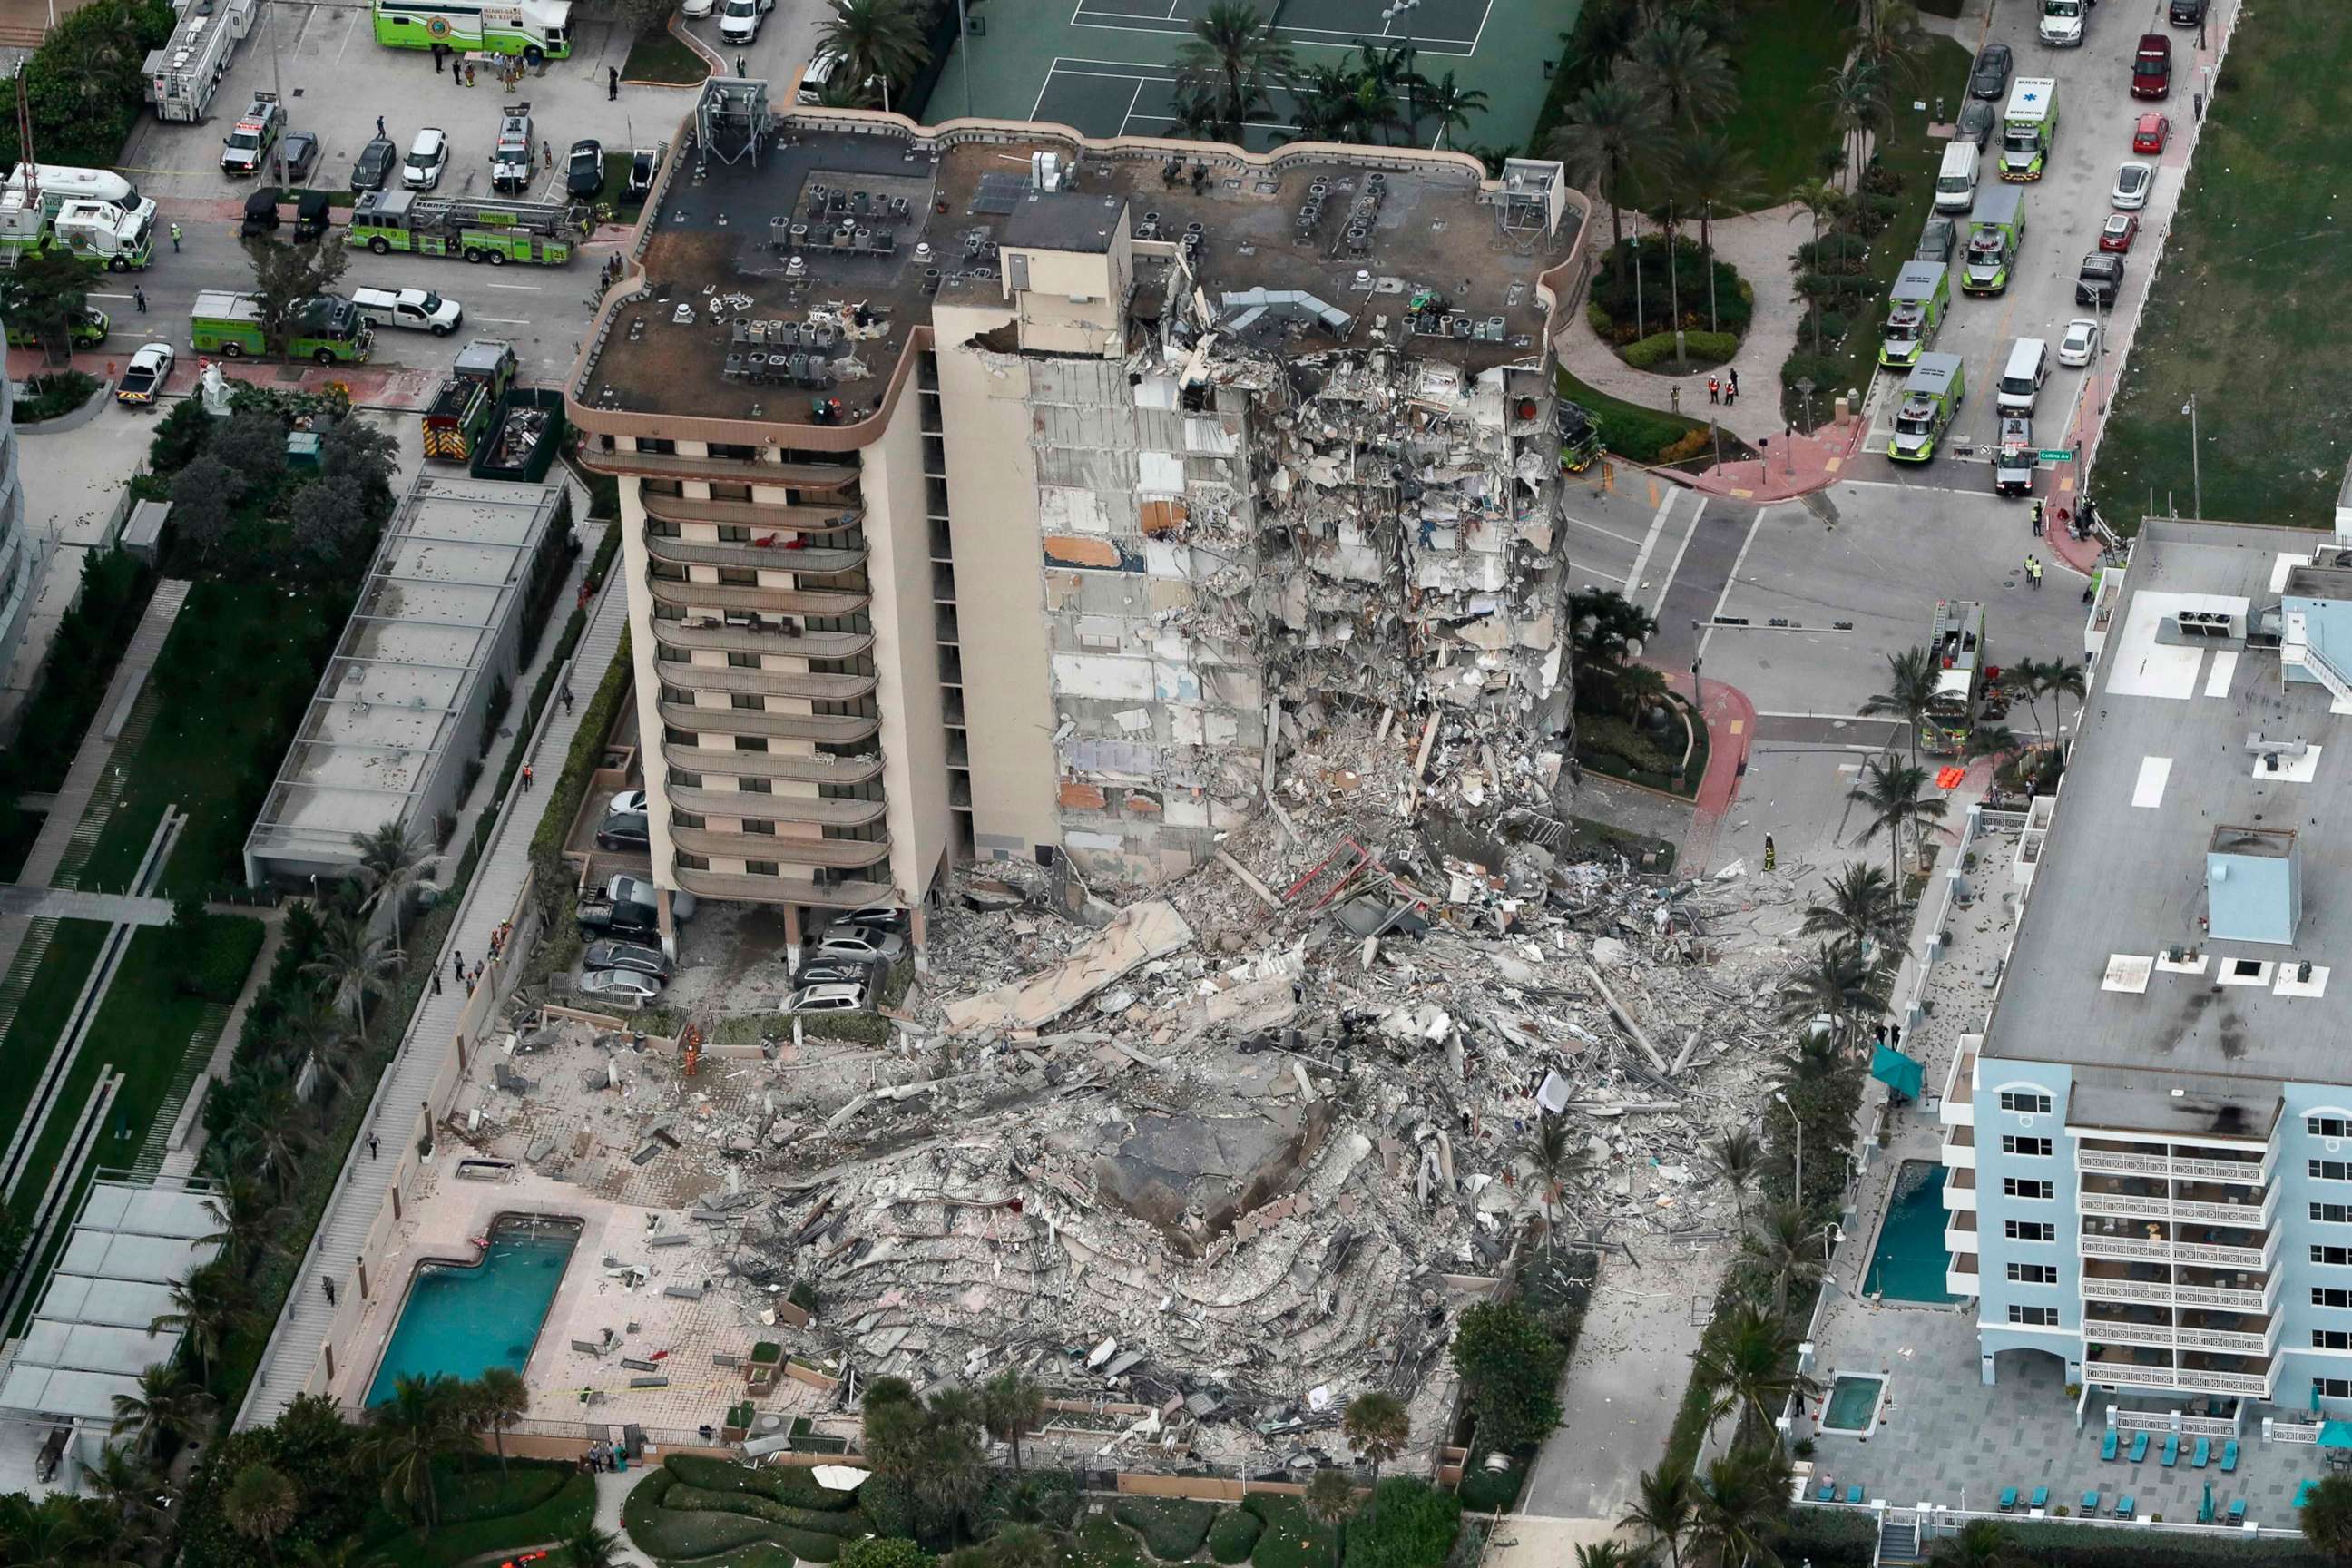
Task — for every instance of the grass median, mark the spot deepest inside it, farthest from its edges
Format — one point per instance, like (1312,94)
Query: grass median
(2254,269)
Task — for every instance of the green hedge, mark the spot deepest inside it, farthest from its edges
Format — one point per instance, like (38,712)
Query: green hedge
(1414,1527)
(1492,1491)
(1291,1540)
(1848,1538)
(666,1532)
(1172,1527)
(792,1484)
(1234,1535)
(739,1500)
(89,643)
(1833,1537)
(1700,349)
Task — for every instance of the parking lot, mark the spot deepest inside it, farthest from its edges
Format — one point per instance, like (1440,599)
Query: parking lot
(2063,211)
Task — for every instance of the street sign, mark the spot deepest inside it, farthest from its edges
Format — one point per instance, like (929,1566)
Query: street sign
(2055,457)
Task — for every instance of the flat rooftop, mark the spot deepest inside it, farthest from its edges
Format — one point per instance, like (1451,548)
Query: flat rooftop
(2161,766)
(724,242)
(452,565)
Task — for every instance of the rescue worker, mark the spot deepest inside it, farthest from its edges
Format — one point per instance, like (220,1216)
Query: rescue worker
(1714,390)
(2037,517)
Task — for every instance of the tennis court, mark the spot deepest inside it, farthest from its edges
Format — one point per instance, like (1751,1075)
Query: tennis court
(1113,98)
(1433,26)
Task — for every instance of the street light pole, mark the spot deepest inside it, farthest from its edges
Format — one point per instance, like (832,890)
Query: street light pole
(2196,464)
(278,85)
(963,47)
(1800,1120)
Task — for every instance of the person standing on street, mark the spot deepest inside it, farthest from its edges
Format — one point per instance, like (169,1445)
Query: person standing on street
(1735,386)
(1714,389)
(175,239)
(612,83)
(379,124)
(139,298)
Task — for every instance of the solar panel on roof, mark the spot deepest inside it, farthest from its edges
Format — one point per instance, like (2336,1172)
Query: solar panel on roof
(999,194)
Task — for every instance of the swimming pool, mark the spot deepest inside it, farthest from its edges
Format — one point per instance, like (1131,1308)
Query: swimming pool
(1910,1260)
(462,1318)
(1853,1407)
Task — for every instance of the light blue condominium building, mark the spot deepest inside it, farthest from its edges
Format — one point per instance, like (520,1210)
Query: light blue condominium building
(2149,1145)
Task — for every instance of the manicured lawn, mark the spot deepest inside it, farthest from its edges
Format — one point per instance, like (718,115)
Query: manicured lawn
(1789,47)
(661,56)
(233,681)
(1631,432)
(2254,271)
(481,1513)
(32,1038)
(1912,156)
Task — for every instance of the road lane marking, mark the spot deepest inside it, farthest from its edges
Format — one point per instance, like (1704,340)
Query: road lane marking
(503,320)
(1650,540)
(1731,582)
(525,288)
(1692,533)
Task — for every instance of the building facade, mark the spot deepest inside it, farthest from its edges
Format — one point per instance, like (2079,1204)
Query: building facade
(2148,1147)
(992,493)
(21,551)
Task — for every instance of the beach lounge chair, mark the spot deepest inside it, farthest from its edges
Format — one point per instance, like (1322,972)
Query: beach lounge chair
(2125,1506)
(2139,1447)
(2090,1502)
(1828,1490)
(2171,1449)
(2230,1458)
(2203,1456)
(2041,1498)
(2008,1499)
(1853,1493)
(2238,1511)
(2107,1444)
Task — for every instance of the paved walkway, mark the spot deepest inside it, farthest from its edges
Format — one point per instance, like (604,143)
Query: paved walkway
(185,1141)
(613,1487)
(295,1345)
(1732,730)
(71,904)
(1763,246)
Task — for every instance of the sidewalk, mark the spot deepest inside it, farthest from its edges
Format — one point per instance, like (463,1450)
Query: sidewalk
(1789,468)
(1730,731)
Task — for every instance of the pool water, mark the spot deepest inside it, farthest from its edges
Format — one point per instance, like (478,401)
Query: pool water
(461,1319)
(1853,1404)
(1910,1262)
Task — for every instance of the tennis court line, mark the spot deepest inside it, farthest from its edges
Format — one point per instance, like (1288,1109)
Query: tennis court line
(1319,38)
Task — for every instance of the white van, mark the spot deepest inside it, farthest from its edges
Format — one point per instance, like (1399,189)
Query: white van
(1956,182)
(818,76)
(2029,367)
(418,310)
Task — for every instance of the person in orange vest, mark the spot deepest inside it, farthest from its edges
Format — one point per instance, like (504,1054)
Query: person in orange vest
(1714,389)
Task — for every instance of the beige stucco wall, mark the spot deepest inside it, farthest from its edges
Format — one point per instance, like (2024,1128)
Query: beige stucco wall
(1000,586)
(644,675)
(905,650)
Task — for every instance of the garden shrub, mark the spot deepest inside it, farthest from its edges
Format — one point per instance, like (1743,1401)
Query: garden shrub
(1834,252)
(1234,1535)
(1413,1527)
(791,1484)
(1692,444)
(1614,291)
(884,1552)
(52,395)
(1491,1491)
(888,1505)
(1291,1539)
(1702,349)
(684,1532)
(1827,373)
(747,1501)
(1172,1527)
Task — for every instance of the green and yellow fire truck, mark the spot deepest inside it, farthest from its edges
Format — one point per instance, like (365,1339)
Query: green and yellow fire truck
(479,229)
(330,328)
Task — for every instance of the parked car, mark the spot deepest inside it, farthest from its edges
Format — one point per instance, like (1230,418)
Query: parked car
(373,167)
(2133,183)
(638,890)
(834,974)
(636,957)
(825,999)
(642,163)
(246,146)
(145,377)
(862,947)
(2081,340)
(1935,240)
(2150,132)
(2101,280)
(632,801)
(1977,123)
(873,917)
(1989,78)
(625,830)
(695,10)
(428,157)
(583,175)
(627,984)
(2186,13)
(2119,232)
(300,149)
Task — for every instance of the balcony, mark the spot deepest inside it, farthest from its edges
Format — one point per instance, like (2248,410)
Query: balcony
(2180,1167)
(2190,1380)
(818,729)
(753,514)
(726,636)
(1960,1232)
(1960,1148)
(1958,1108)
(2115,1163)
(831,854)
(736,680)
(2112,1331)
(814,560)
(1960,1190)
(2153,1284)
(2121,1242)
(725,597)
(795,767)
(1960,1275)
(761,805)
(726,471)
(2126,1204)
(745,887)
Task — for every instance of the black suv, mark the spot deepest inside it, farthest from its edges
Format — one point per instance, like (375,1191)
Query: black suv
(373,166)
(2186,13)
(2100,281)
(1935,240)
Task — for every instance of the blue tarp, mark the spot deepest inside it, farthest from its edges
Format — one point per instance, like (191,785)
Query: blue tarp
(1897,1071)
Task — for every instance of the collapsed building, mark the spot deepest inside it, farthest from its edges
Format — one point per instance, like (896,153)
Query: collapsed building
(992,494)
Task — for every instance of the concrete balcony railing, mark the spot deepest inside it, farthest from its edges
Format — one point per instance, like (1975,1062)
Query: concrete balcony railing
(763,805)
(814,560)
(735,636)
(2188,1380)
(1959,1147)
(755,599)
(747,680)
(2098,1330)
(725,470)
(2134,1206)
(739,887)
(1960,1278)
(2098,1245)
(2126,1204)
(817,729)
(794,767)
(758,515)
(2099,1288)
(1960,1190)
(830,854)
(2121,1163)
(2243,1172)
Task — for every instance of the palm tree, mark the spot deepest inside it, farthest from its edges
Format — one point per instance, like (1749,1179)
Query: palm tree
(1452,105)
(1010,1405)
(1023,1546)
(391,861)
(1981,1543)
(270,1128)
(58,1532)
(1890,34)
(1371,105)
(1739,1160)
(1910,689)
(876,38)
(423,1421)
(1559,1157)
(1610,1554)
(1999,741)
(1705,172)
(128,1484)
(312,1031)
(1392,68)
(205,1306)
(1788,1249)
(168,1404)
(1378,1425)
(1834,983)
(1891,793)
(1606,127)
(1818,199)
(260,1505)
(593,1548)
(350,961)
(1852,93)
(1330,1498)
(501,1399)
(1751,1365)
(2325,1519)
(1665,1507)
(1323,100)
(251,1222)
(2063,680)
(1743,1507)
(1681,70)
(1233,48)
(2024,679)
(1858,906)
(1820,1057)
(1604,627)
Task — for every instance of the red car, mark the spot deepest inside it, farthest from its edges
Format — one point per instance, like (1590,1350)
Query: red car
(2119,232)
(2151,132)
